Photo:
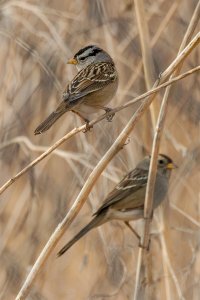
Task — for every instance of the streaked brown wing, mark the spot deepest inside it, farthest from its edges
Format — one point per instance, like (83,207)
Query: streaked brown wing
(92,78)
(127,194)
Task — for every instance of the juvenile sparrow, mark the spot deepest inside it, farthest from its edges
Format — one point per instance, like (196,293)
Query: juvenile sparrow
(91,89)
(126,201)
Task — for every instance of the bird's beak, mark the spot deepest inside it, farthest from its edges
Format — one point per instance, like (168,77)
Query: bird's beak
(171,166)
(72,61)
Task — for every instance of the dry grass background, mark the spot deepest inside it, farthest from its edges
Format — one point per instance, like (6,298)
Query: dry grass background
(37,37)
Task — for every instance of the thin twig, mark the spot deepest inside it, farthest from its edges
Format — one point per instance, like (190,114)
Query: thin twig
(148,123)
(92,123)
(149,72)
(138,68)
(78,203)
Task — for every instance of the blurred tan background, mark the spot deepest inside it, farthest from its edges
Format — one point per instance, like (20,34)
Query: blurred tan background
(37,38)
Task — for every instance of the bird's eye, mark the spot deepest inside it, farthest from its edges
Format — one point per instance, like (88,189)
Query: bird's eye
(161,162)
(81,58)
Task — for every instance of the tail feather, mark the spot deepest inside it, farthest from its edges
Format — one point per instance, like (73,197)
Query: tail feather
(98,220)
(50,120)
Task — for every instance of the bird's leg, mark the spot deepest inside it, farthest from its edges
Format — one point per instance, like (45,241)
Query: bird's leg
(88,127)
(138,236)
(110,116)
(80,116)
(133,230)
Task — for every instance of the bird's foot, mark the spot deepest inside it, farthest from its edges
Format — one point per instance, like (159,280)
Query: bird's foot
(110,115)
(141,245)
(87,126)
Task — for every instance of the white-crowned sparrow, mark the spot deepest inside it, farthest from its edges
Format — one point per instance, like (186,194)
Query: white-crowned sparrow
(90,90)
(126,201)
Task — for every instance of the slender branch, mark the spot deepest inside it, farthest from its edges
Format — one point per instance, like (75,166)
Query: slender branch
(182,55)
(148,123)
(155,148)
(92,123)
(147,58)
(163,24)
(94,175)
(144,42)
